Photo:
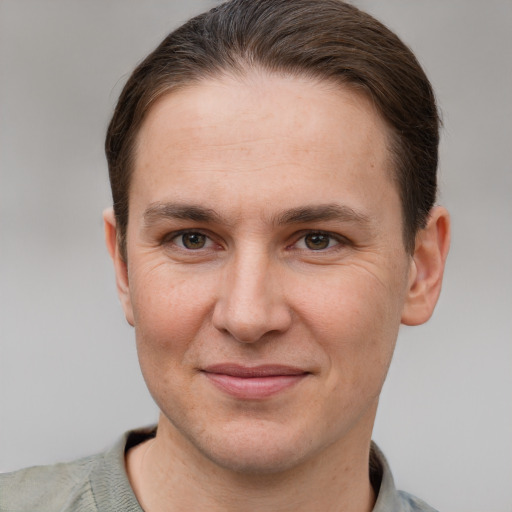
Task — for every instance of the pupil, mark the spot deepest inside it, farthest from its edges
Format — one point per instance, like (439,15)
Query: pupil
(193,240)
(317,241)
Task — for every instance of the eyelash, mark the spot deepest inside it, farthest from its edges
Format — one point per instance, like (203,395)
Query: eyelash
(339,241)
(169,239)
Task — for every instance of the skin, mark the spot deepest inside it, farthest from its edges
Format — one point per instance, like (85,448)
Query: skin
(279,164)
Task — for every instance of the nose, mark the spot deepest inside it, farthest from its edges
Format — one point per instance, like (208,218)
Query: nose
(251,303)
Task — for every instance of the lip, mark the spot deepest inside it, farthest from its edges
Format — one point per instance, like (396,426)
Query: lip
(253,382)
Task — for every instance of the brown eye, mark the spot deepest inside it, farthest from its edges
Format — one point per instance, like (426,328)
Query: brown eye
(317,241)
(193,240)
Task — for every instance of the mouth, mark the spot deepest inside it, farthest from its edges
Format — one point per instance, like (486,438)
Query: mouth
(253,383)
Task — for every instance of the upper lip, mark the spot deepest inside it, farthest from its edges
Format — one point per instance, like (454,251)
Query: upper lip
(265,370)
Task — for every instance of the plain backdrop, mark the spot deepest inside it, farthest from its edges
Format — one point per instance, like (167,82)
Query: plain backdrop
(69,378)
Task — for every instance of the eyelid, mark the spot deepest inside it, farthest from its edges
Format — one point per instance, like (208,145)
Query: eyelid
(170,237)
(342,241)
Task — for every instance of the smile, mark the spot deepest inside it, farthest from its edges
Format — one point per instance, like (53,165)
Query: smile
(253,383)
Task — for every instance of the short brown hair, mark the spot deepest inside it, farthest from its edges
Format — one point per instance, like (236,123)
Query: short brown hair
(322,39)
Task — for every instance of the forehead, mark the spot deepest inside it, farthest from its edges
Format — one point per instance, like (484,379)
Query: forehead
(274,102)
(261,133)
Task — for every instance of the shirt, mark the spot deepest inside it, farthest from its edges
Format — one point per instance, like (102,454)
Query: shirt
(100,484)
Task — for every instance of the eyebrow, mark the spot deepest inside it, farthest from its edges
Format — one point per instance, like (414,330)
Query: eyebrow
(157,211)
(322,212)
(303,214)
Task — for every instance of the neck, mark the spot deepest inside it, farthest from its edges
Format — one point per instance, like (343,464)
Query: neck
(167,475)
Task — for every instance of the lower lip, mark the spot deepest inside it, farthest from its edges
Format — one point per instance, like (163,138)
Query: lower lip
(253,387)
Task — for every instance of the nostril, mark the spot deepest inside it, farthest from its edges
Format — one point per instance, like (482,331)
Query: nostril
(250,305)
(251,325)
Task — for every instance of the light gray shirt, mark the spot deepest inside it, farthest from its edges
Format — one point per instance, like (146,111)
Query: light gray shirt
(99,484)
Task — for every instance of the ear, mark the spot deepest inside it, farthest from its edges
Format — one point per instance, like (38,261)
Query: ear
(120,266)
(427,268)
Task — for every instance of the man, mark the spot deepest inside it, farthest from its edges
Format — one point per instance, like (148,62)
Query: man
(273,170)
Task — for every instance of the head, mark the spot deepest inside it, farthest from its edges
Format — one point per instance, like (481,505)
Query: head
(273,171)
(327,40)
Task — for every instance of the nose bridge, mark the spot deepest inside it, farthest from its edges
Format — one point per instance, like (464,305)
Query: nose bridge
(250,303)
(251,284)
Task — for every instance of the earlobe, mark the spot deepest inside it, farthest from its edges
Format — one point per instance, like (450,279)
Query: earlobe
(120,266)
(427,268)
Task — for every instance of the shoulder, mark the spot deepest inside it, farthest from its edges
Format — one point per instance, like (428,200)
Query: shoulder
(50,488)
(389,499)
(93,484)
(412,504)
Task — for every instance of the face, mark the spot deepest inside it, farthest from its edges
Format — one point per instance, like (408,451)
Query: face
(266,274)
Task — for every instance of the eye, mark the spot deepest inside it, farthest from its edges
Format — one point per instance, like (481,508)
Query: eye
(192,241)
(317,241)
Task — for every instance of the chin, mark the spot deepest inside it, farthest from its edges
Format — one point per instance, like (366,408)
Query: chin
(255,460)
(255,449)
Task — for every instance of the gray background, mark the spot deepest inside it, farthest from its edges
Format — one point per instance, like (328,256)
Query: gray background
(69,379)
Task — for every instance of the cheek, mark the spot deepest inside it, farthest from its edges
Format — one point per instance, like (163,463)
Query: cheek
(355,317)
(169,310)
